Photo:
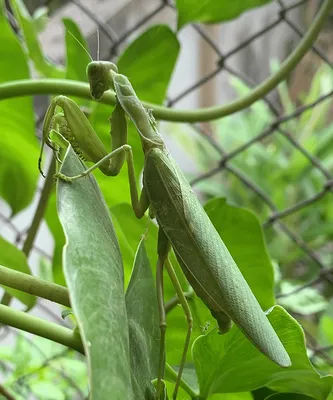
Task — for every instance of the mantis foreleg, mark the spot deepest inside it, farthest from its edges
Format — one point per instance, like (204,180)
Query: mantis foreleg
(74,126)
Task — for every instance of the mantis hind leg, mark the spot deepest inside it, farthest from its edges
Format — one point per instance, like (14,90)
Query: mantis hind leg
(163,260)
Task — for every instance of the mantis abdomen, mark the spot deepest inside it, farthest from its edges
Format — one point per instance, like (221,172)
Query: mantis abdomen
(204,258)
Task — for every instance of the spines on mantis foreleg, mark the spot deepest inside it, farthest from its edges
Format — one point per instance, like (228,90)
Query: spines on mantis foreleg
(64,130)
(76,128)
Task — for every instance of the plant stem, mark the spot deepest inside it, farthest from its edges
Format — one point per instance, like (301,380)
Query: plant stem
(172,373)
(40,210)
(174,301)
(35,286)
(39,327)
(4,392)
(61,86)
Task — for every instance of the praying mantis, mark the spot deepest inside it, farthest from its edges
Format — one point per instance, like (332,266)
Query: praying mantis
(183,223)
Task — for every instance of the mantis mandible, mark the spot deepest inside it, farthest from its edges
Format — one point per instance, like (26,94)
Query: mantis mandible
(183,224)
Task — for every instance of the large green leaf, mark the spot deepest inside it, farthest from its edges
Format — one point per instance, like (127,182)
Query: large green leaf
(94,273)
(55,227)
(18,144)
(242,234)
(30,33)
(231,396)
(144,332)
(230,363)
(326,328)
(148,62)
(77,58)
(212,11)
(13,258)
(289,396)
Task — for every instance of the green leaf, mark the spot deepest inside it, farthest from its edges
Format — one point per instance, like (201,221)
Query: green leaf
(289,396)
(40,18)
(232,396)
(326,327)
(212,11)
(149,61)
(94,274)
(77,58)
(13,258)
(55,227)
(241,232)
(144,332)
(30,33)
(46,390)
(18,144)
(230,363)
(45,269)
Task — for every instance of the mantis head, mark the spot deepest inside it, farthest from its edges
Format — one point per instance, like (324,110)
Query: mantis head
(100,77)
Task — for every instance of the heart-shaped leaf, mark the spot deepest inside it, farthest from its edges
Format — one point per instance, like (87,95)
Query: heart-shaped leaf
(230,363)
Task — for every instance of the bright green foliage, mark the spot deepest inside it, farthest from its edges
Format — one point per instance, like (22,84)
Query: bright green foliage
(12,257)
(18,145)
(151,71)
(30,33)
(212,11)
(250,369)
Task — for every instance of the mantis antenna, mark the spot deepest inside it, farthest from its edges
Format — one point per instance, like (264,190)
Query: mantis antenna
(86,51)
(97,55)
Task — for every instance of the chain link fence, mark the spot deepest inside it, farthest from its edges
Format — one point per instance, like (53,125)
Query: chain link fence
(277,130)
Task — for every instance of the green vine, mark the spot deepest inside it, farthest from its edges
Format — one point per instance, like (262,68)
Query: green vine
(34,286)
(37,326)
(81,89)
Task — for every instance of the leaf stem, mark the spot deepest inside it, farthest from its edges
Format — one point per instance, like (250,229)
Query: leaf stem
(35,286)
(75,88)
(172,373)
(40,210)
(37,326)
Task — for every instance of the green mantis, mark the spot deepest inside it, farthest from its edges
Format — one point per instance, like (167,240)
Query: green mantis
(183,224)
